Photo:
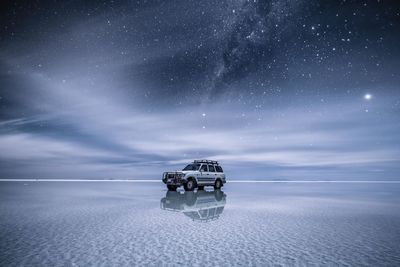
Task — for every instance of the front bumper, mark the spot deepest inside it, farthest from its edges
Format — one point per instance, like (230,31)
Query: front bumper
(173,178)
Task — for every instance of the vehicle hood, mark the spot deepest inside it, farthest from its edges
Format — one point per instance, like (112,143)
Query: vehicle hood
(185,172)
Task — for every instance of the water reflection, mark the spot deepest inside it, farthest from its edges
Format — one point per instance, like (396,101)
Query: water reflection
(200,206)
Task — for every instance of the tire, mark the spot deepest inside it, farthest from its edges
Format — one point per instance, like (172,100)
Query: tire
(200,187)
(171,187)
(190,185)
(218,184)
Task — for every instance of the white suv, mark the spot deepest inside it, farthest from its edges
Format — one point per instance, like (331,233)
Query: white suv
(198,174)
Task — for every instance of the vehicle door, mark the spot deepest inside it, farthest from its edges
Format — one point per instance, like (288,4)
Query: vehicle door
(213,173)
(203,174)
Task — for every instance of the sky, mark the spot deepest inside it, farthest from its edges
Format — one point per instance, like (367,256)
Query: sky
(271,89)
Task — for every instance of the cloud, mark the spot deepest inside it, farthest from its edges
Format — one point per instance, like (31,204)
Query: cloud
(97,134)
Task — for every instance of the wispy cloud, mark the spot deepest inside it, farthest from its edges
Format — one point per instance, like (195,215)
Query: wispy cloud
(99,134)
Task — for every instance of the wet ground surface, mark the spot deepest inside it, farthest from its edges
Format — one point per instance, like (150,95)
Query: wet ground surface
(103,224)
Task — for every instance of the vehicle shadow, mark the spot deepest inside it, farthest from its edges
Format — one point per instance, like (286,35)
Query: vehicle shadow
(201,206)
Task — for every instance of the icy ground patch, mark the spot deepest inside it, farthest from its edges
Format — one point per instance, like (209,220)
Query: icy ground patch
(103,224)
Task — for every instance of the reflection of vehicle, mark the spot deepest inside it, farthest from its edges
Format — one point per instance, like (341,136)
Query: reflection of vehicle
(199,206)
(198,174)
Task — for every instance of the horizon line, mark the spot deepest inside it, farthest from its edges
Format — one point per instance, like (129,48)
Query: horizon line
(231,181)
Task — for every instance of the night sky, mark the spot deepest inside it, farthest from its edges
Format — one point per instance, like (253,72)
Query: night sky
(272,89)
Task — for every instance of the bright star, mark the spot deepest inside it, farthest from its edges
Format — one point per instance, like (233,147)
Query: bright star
(367,96)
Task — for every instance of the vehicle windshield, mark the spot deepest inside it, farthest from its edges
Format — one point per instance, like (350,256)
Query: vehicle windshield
(191,167)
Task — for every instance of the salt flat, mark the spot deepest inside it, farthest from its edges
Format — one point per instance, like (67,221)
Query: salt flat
(103,224)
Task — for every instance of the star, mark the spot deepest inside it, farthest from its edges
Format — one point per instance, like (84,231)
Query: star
(367,96)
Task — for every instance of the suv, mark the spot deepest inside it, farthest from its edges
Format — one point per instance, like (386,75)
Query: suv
(198,174)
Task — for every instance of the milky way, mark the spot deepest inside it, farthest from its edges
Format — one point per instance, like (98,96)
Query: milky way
(273,89)
(259,28)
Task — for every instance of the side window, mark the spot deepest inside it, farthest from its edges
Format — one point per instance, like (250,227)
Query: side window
(219,169)
(204,168)
(211,168)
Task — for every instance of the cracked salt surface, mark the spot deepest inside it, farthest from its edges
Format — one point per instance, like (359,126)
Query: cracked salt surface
(103,224)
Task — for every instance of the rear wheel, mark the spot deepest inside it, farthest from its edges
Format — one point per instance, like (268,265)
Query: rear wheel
(190,185)
(200,187)
(171,187)
(218,184)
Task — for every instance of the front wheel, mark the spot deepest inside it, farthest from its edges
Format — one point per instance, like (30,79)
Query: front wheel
(218,184)
(190,185)
(171,187)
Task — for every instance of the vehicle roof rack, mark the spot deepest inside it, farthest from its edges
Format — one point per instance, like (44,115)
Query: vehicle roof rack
(206,161)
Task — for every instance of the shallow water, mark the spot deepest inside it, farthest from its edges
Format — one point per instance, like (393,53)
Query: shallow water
(103,224)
